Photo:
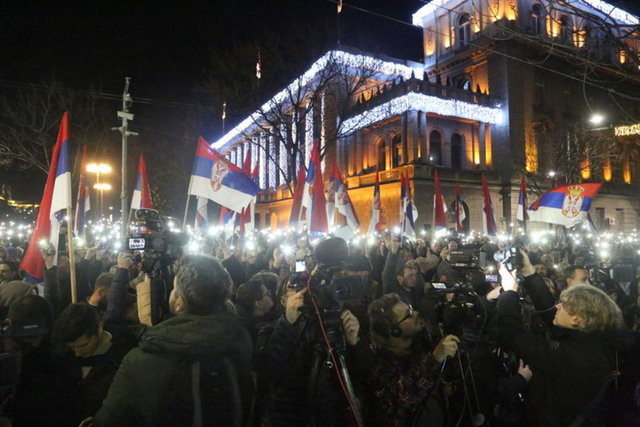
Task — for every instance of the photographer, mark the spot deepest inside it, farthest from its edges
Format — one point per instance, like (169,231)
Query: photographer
(303,387)
(572,370)
(404,368)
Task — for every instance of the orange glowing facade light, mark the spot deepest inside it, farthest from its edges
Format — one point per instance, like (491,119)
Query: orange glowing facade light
(585,169)
(606,170)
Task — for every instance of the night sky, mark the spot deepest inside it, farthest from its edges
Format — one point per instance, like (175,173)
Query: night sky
(166,48)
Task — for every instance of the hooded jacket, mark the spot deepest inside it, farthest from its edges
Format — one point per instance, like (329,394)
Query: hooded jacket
(138,394)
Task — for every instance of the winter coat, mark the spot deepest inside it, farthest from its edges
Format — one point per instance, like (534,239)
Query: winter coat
(289,394)
(91,390)
(568,371)
(139,392)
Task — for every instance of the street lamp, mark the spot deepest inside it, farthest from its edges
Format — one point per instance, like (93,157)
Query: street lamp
(102,187)
(596,119)
(99,168)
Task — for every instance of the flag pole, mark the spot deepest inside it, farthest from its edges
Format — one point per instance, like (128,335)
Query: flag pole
(72,257)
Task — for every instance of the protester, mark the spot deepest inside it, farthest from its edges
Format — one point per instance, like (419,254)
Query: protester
(98,355)
(156,381)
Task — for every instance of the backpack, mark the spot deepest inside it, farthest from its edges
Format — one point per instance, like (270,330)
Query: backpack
(204,391)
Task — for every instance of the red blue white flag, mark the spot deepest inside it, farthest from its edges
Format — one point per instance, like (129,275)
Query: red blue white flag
(439,207)
(567,205)
(313,199)
(83,201)
(215,178)
(201,215)
(409,212)
(141,198)
(343,203)
(458,209)
(488,219)
(296,205)
(376,207)
(55,200)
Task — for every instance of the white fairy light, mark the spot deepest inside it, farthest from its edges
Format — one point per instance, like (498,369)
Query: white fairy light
(413,101)
(341,58)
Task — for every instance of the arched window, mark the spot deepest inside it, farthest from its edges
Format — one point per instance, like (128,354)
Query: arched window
(397,153)
(464,83)
(382,155)
(537,19)
(456,151)
(464,29)
(565,28)
(435,148)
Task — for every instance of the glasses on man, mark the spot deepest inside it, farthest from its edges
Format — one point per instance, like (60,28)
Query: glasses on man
(409,315)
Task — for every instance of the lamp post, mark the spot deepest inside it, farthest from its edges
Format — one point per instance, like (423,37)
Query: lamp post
(100,168)
(102,187)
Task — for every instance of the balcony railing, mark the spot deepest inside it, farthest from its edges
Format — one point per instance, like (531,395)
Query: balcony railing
(401,87)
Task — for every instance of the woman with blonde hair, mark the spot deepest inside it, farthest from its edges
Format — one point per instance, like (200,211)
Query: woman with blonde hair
(573,368)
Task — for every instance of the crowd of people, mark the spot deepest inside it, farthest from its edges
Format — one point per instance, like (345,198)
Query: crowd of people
(281,332)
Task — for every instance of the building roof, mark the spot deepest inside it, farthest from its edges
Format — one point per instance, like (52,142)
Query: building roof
(384,66)
(607,9)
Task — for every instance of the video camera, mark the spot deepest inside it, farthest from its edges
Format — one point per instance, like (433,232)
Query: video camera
(468,259)
(151,236)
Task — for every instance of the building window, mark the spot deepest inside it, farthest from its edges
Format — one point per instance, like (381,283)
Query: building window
(396,146)
(456,151)
(464,83)
(565,29)
(464,29)
(537,20)
(382,155)
(435,148)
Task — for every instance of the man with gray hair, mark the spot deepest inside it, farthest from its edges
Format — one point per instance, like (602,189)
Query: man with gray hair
(191,369)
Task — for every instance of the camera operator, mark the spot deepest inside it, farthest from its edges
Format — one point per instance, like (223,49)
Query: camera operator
(303,387)
(404,368)
(572,370)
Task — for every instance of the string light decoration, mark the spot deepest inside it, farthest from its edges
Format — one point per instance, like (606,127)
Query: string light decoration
(413,101)
(342,58)
(599,5)
(627,130)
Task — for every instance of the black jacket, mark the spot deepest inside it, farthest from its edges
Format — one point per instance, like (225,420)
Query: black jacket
(291,390)
(568,371)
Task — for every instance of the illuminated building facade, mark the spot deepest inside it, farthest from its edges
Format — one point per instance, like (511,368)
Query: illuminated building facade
(494,73)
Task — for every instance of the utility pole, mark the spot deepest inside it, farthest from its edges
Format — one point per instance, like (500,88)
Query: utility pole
(125,116)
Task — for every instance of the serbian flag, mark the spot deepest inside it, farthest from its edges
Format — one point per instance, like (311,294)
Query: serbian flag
(488,220)
(141,198)
(296,205)
(409,212)
(344,205)
(334,178)
(522,214)
(201,215)
(313,199)
(55,200)
(439,209)
(246,218)
(567,205)
(215,178)
(83,201)
(374,223)
(458,210)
